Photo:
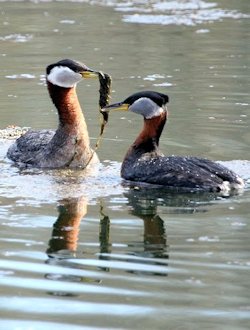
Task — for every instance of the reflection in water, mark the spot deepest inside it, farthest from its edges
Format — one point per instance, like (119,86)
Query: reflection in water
(144,206)
(144,203)
(105,246)
(64,238)
(66,228)
(208,267)
(146,253)
(138,256)
(64,241)
(148,198)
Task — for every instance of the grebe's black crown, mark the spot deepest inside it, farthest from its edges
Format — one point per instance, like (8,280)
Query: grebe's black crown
(71,64)
(159,98)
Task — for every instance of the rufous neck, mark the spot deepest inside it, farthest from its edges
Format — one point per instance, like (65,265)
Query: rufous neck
(67,104)
(148,139)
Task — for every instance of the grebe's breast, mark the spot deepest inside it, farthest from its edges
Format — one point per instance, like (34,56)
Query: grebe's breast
(183,173)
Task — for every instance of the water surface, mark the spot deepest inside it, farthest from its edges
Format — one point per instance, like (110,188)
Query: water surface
(85,252)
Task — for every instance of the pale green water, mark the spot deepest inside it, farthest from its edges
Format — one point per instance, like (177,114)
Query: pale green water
(138,259)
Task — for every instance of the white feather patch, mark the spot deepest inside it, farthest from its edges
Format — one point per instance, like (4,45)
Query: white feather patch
(146,107)
(64,77)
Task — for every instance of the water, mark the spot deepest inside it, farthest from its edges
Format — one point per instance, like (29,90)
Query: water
(85,252)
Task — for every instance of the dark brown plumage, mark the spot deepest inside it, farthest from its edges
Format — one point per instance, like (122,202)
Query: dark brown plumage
(69,145)
(144,162)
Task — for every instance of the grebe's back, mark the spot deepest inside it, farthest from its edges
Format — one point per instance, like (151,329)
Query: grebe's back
(181,173)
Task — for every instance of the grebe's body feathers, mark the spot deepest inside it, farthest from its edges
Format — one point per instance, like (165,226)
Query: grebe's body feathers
(145,163)
(182,173)
(69,145)
(28,146)
(42,149)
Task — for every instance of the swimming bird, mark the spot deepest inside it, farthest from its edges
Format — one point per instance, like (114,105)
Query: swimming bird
(69,145)
(144,162)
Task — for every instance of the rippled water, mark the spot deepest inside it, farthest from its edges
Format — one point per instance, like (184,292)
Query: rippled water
(83,251)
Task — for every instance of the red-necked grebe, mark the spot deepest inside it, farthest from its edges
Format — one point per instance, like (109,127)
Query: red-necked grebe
(69,145)
(145,163)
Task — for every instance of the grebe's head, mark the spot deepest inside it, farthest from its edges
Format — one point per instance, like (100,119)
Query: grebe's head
(67,73)
(149,104)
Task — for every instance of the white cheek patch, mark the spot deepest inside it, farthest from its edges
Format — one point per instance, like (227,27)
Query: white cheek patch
(63,77)
(146,107)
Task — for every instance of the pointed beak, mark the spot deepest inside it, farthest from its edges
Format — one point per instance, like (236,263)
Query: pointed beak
(116,107)
(89,74)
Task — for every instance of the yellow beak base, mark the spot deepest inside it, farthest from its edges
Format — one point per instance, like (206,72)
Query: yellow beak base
(116,107)
(89,74)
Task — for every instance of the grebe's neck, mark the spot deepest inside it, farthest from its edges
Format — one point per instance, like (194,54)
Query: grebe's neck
(148,139)
(72,132)
(67,104)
